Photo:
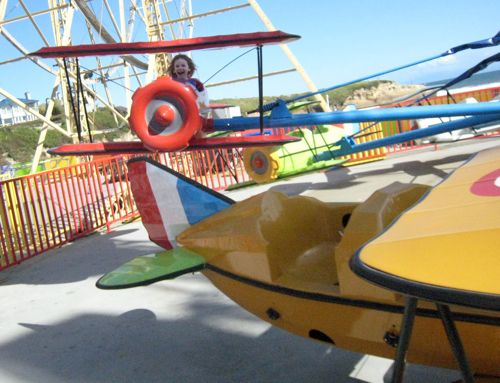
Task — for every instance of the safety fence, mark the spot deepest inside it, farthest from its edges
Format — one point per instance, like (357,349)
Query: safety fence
(42,211)
(217,169)
(45,210)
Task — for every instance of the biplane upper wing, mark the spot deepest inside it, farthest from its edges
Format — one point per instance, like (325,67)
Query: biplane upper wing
(170,46)
(445,248)
(136,147)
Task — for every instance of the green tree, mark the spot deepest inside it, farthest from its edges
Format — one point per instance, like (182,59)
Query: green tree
(19,143)
(57,112)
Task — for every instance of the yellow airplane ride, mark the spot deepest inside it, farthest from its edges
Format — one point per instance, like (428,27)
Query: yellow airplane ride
(288,260)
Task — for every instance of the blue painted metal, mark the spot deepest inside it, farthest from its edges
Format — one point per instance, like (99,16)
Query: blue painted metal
(380,114)
(348,146)
(465,75)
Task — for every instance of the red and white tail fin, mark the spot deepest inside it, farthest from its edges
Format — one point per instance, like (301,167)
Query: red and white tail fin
(169,202)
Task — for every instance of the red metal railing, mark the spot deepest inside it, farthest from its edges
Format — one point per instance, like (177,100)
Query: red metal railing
(216,169)
(45,210)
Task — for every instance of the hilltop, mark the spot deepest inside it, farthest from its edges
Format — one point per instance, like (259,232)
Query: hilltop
(382,93)
(363,94)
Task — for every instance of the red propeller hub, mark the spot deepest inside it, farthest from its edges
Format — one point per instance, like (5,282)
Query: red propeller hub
(164,115)
(258,162)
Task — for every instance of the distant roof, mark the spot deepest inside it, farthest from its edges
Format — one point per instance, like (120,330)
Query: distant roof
(7,102)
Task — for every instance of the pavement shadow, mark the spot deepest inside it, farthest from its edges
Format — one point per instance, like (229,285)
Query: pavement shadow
(338,178)
(292,189)
(89,256)
(137,347)
(342,178)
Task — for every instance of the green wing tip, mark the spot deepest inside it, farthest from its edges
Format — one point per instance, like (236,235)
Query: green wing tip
(148,269)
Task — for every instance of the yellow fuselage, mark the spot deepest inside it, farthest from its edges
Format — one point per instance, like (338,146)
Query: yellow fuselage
(286,260)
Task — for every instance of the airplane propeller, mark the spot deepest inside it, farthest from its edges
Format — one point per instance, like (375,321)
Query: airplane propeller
(165,115)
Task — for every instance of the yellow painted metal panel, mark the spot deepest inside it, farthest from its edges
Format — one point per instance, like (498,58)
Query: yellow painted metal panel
(451,238)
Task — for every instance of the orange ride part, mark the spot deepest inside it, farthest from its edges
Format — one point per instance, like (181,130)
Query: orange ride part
(164,115)
(185,100)
(262,164)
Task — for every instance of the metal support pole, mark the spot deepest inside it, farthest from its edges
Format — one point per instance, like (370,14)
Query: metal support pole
(73,106)
(404,339)
(261,90)
(455,342)
(84,99)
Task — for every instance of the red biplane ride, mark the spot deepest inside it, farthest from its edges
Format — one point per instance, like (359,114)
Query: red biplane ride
(164,113)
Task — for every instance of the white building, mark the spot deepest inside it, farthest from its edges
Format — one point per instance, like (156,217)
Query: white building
(11,113)
(225,111)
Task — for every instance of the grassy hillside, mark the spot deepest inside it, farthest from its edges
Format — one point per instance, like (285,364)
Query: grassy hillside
(18,142)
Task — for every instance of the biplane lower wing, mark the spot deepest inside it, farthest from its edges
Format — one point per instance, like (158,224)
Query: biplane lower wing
(137,147)
(96,148)
(173,46)
(243,141)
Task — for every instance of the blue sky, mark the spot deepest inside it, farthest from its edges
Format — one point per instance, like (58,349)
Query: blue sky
(341,40)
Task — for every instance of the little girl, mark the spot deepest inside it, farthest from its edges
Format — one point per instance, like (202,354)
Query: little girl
(181,69)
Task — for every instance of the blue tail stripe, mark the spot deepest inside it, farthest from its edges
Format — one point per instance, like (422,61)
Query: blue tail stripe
(197,203)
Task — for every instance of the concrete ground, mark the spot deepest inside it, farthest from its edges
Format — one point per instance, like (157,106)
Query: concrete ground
(56,326)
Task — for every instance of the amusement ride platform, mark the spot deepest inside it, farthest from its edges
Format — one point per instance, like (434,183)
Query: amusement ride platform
(58,327)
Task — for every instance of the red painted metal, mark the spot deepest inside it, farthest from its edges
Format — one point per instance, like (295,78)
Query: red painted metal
(39,212)
(15,238)
(23,244)
(240,141)
(96,148)
(31,210)
(3,241)
(136,147)
(50,219)
(165,138)
(170,46)
(152,219)
(5,233)
(29,225)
